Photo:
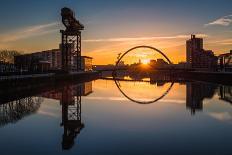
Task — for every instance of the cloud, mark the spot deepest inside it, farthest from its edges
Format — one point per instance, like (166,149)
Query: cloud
(226,42)
(46,113)
(28,32)
(142,38)
(223,116)
(223,42)
(223,21)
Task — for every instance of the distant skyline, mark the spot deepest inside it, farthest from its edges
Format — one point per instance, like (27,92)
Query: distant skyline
(112,27)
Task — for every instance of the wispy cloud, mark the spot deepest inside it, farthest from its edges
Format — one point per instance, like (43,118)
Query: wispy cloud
(223,116)
(143,38)
(28,32)
(46,113)
(223,21)
(222,42)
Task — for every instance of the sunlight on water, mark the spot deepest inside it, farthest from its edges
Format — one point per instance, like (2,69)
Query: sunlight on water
(108,122)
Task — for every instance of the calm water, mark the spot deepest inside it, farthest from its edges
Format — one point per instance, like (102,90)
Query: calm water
(139,118)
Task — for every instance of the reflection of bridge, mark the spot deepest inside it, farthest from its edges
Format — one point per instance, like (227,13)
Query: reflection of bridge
(139,78)
(143,102)
(122,79)
(196,92)
(142,80)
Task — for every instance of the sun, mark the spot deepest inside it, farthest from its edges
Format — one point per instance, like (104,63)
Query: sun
(145,61)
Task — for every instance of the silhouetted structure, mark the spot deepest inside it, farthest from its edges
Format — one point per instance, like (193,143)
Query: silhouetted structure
(225,61)
(49,60)
(71,40)
(70,99)
(159,63)
(39,61)
(71,115)
(197,57)
(86,63)
(225,93)
(196,92)
(7,67)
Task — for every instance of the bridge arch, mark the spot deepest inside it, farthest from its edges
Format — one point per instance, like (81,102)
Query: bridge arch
(143,102)
(143,46)
(118,84)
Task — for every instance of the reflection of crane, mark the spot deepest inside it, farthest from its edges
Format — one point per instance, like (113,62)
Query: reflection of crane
(71,115)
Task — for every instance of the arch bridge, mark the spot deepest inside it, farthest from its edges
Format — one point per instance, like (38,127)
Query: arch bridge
(137,47)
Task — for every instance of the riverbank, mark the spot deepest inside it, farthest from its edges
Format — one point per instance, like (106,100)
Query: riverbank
(15,87)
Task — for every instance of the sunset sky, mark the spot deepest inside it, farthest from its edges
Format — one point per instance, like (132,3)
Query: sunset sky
(112,27)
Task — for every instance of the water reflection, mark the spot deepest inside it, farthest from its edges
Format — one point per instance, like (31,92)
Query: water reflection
(156,120)
(196,92)
(14,111)
(70,100)
(225,93)
(143,101)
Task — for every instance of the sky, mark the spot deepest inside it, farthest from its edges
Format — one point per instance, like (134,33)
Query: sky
(113,27)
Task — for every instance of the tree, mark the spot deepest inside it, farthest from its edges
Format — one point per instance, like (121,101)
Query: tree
(7,56)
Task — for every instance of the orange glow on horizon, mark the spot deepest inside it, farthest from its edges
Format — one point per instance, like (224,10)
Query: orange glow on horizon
(145,61)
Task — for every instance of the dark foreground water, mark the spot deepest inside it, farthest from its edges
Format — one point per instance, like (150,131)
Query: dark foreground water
(103,117)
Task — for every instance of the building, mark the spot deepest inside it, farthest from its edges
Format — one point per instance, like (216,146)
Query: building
(158,63)
(197,57)
(50,60)
(6,67)
(193,46)
(86,63)
(39,61)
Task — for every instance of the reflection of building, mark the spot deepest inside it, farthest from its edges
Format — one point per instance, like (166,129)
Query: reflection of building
(225,93)
(49,60)
(196,93)
(197,57)
(86,89)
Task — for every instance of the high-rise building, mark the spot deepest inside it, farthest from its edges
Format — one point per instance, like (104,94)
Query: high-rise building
(193,46)
(196,56)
